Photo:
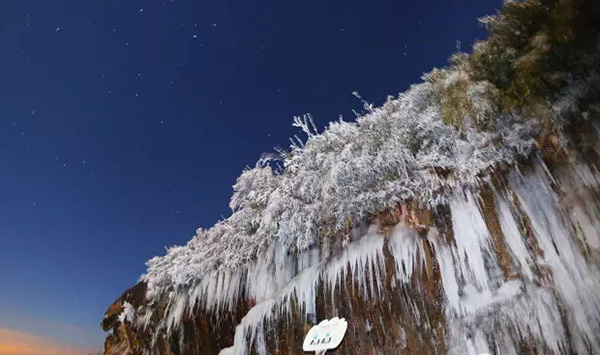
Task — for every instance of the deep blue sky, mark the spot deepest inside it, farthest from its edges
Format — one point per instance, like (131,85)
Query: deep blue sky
(123,124)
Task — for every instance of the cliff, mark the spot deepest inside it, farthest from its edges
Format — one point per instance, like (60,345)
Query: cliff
(461,217)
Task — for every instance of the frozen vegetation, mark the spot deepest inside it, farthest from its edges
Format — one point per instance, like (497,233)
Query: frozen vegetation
(476,123)
(345,174)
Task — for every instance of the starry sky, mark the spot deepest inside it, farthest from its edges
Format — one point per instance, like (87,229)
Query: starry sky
(123,124)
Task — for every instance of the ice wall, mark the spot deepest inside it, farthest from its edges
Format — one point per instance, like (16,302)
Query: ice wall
(509,268)
(551,301)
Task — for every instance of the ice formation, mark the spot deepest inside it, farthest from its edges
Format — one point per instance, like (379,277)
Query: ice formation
(269,250)
(552,299)
(486,311)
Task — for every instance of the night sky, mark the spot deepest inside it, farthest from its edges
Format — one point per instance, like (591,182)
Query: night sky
(123,124)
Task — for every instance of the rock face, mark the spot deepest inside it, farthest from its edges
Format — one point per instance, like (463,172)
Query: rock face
(511,268)
(204,333)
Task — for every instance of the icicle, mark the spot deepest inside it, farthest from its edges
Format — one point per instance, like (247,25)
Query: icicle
(577,284)
(513,237)
(578,181)
(473,241)
(259,342)
(445,259)
(175,311)
(365,259)
(407,249)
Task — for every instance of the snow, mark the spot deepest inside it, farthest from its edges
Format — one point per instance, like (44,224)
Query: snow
(128,313)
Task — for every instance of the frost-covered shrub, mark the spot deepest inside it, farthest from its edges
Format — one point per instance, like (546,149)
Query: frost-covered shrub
(342,176)
(463,99)
(128,314)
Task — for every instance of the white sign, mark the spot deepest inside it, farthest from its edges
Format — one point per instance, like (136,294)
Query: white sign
(326,335)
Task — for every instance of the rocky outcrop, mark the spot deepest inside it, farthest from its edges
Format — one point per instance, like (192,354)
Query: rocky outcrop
(124,339)
(511,268)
